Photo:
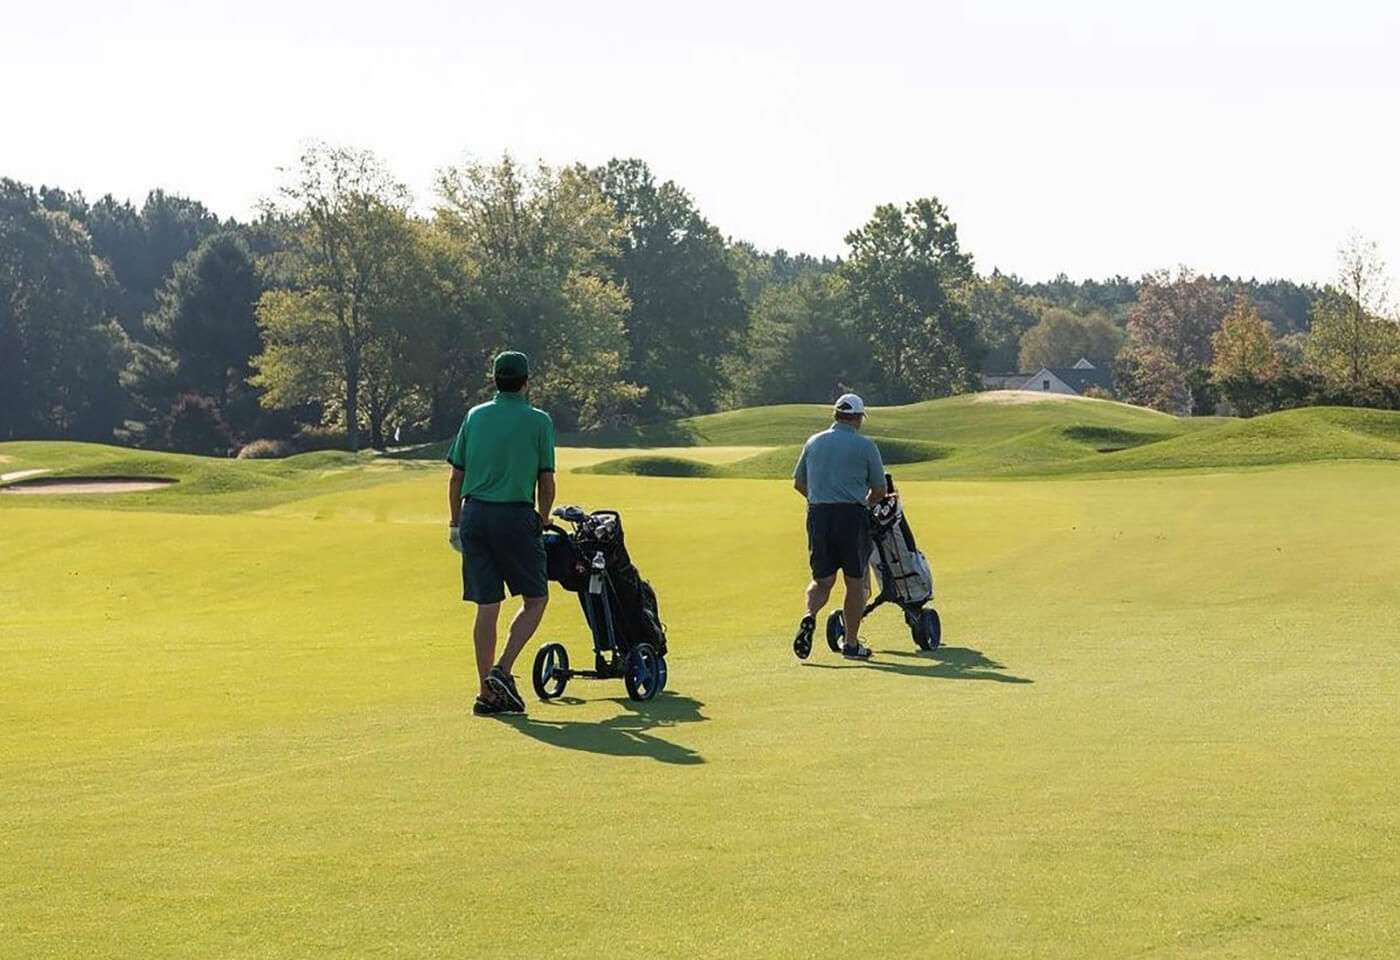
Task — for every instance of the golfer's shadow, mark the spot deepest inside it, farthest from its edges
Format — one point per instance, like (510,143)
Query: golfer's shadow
(627,735)
(946,663)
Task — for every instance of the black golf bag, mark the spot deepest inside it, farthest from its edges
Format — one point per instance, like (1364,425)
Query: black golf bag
(629,639)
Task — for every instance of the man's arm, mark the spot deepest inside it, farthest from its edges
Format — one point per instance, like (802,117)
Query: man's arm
(454,496)
(875,476)
(800,486)
(544,495)
(544,482)
(457,460)
(799,473)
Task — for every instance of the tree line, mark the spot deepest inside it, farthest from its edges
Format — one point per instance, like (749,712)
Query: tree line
(342,315)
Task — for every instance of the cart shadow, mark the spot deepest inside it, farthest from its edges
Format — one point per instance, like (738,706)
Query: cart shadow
(945,663)
(626,735)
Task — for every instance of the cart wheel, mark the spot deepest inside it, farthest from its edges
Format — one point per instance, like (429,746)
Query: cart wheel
(662,672)
(916,628)
(928,630)
(835,630)
(642,672)
(551,671)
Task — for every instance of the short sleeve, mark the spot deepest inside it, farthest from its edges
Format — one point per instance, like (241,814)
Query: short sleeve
(457,453)
(875,467)
(546,444)
(799,472)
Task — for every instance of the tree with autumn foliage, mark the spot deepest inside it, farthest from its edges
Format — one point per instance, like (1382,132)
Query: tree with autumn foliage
(1169,349)
(1246,360)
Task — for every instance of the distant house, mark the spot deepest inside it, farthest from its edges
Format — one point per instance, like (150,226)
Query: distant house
(1075,380)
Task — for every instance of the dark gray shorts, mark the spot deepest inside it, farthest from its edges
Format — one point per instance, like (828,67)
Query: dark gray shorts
(838,538)
(501,547)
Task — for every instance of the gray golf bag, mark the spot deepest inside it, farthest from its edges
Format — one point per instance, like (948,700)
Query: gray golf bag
(902,572)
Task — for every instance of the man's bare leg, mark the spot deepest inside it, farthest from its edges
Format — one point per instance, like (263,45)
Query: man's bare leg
(522,628)
(818,593)
(854,608)
(484,636)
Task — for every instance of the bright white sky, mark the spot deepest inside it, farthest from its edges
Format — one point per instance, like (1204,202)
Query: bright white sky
(1087,136)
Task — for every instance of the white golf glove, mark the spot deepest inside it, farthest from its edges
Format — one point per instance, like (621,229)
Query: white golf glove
(454,537)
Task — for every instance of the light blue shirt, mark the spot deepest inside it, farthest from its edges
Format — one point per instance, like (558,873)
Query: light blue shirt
(839,465)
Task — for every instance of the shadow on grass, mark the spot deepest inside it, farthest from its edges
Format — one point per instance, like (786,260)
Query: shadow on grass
(669,434)
(627,735)
(945,663)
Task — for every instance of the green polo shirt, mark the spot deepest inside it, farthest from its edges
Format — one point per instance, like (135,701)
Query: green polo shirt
(503,447)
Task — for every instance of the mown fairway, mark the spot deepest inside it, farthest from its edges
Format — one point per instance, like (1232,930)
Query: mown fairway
(1164,723)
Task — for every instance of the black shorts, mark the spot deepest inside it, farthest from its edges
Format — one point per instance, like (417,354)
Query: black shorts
(501,547)
(838,538)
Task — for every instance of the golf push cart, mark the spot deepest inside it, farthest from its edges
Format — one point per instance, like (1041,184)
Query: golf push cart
(903,573)
(629,640)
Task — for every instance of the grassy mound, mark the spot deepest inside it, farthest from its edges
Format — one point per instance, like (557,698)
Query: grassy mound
(773,463)
(972,419)
(976,435)
(1001,434)
(968,437)
(1290,436)
(203,484)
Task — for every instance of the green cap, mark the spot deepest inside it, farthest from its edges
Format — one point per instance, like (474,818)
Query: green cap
(513,364)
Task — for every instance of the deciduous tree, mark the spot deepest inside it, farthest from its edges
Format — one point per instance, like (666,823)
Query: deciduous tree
(1061,338)
(910,284)
(540,247)
(1170,327)
(349,235)
(803,344)
(1353,341)
(1246,360)
(685,312)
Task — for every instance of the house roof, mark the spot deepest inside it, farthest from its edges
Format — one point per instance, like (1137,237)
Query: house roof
(1080,379)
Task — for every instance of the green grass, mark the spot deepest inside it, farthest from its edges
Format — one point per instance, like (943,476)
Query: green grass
(969,420)
(992,435)
(204,484)
(1292,436)
(1163,724)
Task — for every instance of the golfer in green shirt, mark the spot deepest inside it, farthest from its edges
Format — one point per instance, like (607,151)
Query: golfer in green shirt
(500,495)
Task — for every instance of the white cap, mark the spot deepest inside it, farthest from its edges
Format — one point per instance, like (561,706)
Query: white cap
(849,403)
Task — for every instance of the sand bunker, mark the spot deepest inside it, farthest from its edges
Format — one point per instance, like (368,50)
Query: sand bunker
(65,485)
(20,475)
(1022,396)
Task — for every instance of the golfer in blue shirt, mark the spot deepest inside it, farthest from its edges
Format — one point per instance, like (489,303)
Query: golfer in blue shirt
(841,474)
